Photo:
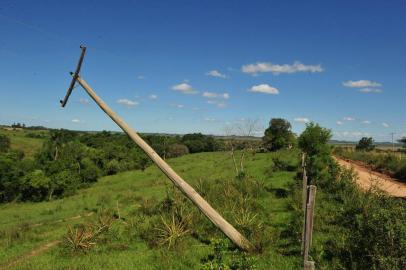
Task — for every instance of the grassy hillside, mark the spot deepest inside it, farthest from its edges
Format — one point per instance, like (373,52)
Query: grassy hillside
(131,196)
(21,140)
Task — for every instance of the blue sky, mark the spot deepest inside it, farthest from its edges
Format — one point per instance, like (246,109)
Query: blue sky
(199,66)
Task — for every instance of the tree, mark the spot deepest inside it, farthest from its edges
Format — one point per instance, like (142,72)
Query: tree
(403,142)
(365,144)
(314,142)
(198,142)
(35,186)
(4,143)
(278,135)
(244,128)
(177,150)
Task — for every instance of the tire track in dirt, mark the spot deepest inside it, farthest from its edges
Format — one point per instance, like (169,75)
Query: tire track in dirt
(367,179)
(35,252)
(43,248)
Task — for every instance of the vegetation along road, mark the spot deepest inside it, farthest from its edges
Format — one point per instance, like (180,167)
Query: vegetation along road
(367,179)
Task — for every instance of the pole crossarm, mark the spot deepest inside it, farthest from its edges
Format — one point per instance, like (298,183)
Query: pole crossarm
(75,76)
(237,238)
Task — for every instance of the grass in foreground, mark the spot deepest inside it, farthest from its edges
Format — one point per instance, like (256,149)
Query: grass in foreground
(153,227)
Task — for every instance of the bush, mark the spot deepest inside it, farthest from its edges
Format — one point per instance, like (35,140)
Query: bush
(314,142)
(365,144)
(177,150)
(401,173)
(35,186)
(4,143)
(112,167)
(198,142)
(356,230)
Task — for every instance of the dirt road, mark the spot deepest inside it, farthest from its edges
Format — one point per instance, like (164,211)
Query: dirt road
(367,179)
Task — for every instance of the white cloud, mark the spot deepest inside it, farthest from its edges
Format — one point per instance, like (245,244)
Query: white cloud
(179,106)
(184,88)
(361,83)
(262,67)
(385,125)
(208,119)
(127,102)
(348,118)
(352,134)
(216,73)
(221,105)
(339,122)
(153,96)
(76,121)
(264,88)
(84,101)
(216,95)
(140,77)
(302,120)
(370,90)
(366,122)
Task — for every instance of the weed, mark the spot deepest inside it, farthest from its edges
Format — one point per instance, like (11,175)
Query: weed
(79,239)
(171,231)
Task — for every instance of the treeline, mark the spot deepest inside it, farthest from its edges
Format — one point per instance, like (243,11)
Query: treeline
(71,160)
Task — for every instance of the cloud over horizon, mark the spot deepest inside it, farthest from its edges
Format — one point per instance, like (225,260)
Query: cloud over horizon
(370,90)
(361,84)
(216,95)
(264,88)
(264,67)
(184,88)
(302,120)
(216,73)
(127,102)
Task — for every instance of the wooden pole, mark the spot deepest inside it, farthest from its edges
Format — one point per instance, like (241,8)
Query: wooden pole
(309,265)
(304,184)
(304,195)
(309,223)
(188,190)
(75,75)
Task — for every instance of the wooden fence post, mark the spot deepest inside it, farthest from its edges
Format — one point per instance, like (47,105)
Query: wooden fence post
(304,184)
(308,226)
(181,184)
(304,195)
(309,265)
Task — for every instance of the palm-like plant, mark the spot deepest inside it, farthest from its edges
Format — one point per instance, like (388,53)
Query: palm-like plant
(80,239)
(172,231)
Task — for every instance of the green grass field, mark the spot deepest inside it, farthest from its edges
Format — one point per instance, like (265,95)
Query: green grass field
(27,226)
(20,140)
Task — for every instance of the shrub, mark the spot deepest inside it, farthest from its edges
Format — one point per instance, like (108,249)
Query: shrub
(172,230)
(365,144)
(4,143)
(112,167)
(401,173)
(177,150)
(79,239)
(35,186)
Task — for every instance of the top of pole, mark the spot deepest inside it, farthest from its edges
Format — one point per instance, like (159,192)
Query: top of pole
(74,76)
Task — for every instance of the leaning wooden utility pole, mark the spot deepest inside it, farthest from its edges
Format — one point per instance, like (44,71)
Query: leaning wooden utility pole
(188,190)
